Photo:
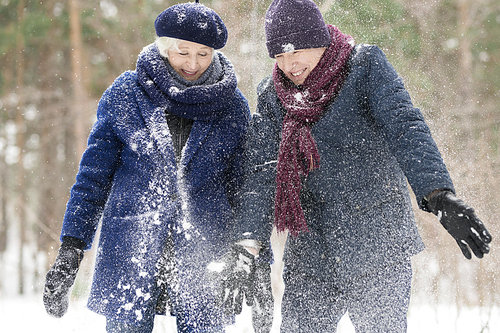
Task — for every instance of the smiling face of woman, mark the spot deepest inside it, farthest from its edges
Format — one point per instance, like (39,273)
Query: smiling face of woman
(191,59)
(297,65)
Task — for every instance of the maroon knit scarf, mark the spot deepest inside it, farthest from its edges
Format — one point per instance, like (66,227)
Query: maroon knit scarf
(298,153)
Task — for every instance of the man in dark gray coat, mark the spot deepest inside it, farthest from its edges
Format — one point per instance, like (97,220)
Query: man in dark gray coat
(331,148)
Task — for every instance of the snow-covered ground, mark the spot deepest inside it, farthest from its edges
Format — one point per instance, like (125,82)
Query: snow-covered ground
(26,314)
(23,314)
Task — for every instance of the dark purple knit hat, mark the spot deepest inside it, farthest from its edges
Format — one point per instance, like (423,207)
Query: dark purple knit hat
(294,25)
(192,22)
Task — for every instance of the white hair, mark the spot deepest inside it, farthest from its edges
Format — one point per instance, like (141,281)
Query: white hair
(165,44)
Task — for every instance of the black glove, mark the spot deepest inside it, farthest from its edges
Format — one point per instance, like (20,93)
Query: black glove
(235,280)
(263,301)
(461,222)
(60,278)
(244,276)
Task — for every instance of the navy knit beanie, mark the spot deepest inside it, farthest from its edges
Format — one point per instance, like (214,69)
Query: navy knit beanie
(294,25)
(192,22)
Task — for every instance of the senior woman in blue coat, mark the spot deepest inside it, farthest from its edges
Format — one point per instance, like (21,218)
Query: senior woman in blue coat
(331,147)
(161,174)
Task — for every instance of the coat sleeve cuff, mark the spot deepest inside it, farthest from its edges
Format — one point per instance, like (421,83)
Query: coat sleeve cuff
(250,243)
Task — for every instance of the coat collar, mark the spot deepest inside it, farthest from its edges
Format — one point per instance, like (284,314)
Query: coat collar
(156,122)
(199,132)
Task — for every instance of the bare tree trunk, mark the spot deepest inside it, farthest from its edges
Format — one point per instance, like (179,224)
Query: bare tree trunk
(79,97)
(3,206)
(21,203)
(465,55)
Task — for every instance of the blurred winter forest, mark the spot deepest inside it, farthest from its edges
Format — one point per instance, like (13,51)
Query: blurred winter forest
(58,56)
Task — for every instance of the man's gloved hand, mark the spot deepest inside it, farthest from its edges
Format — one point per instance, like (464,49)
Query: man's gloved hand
(263,301)
(461,222)
(60,278)
(235,279)
(245,276)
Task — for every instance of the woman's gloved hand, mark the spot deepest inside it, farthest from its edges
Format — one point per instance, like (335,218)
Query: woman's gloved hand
(60,279)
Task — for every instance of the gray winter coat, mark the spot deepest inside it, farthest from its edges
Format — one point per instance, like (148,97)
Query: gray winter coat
(372,143)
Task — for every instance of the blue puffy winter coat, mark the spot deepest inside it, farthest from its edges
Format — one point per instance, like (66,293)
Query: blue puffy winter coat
(372,142)
(129,181)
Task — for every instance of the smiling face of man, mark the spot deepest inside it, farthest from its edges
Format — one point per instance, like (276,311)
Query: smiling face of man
(298,64)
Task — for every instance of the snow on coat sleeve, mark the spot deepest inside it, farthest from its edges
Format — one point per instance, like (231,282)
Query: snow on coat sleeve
(94,179)
(255,214)
(405,128)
